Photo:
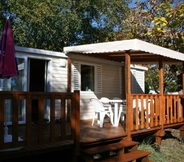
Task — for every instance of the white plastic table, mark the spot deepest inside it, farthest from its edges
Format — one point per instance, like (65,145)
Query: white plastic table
(117,111)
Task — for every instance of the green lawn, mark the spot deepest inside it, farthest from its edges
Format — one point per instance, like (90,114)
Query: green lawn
(170,150)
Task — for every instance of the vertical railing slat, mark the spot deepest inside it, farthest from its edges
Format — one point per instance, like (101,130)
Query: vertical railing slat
(156,111)
(151,111)
(15,120)
(147,112)
(52,118)
(76,120)
(142,110)
(175,110)
(63,119)
(137,113)
(167,109)
(40,119)
(28,119)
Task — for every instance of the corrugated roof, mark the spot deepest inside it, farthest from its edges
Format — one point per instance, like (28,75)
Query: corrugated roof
(114,50)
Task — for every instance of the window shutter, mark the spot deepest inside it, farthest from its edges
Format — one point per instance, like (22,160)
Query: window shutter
(76,76)
(120,80)
(134,82)
(98,79)
(140,81)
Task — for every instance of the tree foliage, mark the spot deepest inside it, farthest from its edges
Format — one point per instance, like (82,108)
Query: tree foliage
(161,23)
(53,24)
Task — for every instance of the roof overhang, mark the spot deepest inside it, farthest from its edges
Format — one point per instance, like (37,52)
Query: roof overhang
(140,51)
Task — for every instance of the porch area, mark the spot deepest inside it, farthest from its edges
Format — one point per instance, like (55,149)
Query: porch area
(90,136)
(148,114)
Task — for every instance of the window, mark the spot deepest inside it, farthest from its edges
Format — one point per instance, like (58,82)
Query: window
(15,84)
(87,77)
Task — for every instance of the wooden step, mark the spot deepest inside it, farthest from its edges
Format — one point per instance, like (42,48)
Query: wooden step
(129,157)
(110,147)
(104,150)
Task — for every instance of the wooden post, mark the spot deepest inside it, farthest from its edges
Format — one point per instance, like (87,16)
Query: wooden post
(76,122)
(129,112)
(161,132)
(161,79)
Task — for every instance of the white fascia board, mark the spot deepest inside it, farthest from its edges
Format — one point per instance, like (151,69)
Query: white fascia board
(138,67)
(40,51)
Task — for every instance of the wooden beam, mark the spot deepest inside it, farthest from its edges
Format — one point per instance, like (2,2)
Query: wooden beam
(161,80)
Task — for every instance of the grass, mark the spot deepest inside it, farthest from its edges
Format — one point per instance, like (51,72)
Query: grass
(170,150)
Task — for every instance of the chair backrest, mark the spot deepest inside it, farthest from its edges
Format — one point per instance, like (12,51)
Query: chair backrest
(97,105)
(104,100)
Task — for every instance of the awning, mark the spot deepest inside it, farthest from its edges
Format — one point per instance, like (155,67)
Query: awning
(140,51)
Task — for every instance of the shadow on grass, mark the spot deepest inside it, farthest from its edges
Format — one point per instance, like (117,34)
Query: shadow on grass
(149,139)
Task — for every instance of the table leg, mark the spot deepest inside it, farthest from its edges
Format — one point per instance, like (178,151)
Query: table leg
(115,114)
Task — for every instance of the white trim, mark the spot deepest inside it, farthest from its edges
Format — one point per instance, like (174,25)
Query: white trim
(133,66)
(93,60)
(34,51)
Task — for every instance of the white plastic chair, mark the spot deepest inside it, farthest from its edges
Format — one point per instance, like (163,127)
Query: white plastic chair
(106,103)
(101,111)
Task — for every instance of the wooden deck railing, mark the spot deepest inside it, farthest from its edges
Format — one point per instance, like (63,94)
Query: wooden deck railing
(41,133)
(151,110)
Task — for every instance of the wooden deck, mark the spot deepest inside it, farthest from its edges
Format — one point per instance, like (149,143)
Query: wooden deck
(88,134)
(94,134)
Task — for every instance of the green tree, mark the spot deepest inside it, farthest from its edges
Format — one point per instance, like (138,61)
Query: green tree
(161,23)
(2,11)
(53,24)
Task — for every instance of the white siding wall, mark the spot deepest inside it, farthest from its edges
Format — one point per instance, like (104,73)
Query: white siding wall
(57,71)
(107,83)
(137,81)
(111,83)
(59,82)
(59,76)
(110,89)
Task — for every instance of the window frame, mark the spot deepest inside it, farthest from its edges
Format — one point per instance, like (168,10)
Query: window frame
(76,76)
